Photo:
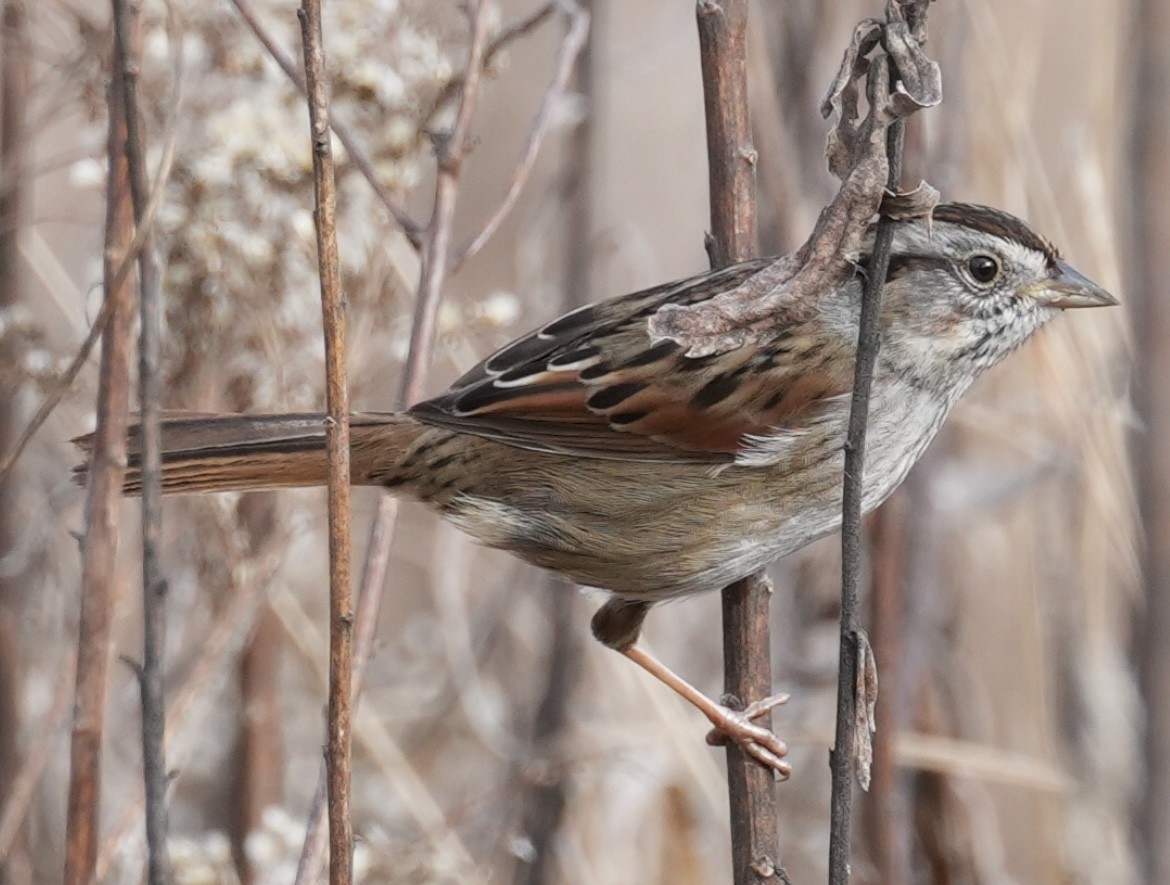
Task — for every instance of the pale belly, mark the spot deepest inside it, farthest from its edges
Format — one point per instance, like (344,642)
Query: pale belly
(653,531)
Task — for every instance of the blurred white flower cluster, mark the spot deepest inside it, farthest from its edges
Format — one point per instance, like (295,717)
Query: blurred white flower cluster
(235,230)
(24,355)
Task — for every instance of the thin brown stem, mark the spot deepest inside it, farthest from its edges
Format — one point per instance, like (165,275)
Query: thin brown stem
(746,641)
(841,759)
(731,163)
(434,261)
(104,492)
(260,758)
(451,149)
(127,38)
(570,49)
(499,43)
(341,615)
(853,642)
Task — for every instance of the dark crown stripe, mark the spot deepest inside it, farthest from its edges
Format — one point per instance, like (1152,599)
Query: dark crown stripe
(997,223)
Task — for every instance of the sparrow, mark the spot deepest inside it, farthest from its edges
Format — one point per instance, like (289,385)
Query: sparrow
(614,457)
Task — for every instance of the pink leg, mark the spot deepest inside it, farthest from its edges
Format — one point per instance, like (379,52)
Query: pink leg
(760,743)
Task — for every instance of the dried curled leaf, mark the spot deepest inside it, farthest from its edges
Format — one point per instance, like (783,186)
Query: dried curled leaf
(843,99)
(905,205)
(917,78)
(899,80)
(912,12)
(916,84)
(865,707)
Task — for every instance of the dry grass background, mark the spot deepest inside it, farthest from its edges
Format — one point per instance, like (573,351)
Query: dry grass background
(1016,715)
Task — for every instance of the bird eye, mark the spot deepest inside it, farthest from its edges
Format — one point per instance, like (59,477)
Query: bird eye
(983,268)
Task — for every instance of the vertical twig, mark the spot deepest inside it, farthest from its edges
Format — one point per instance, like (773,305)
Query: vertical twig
(542,124)
(581,160)
(747,651)
(841,759)
(731,159)
(154,587)
(853,643)
(437,236)
(337,757)
(99,548)
(435,245)
(118,268)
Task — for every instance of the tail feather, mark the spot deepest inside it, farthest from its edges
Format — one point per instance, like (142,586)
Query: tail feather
(246,452)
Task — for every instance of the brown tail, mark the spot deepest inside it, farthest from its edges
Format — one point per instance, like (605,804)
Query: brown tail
(243,452)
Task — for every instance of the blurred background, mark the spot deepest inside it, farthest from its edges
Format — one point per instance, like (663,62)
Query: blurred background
(1018,617)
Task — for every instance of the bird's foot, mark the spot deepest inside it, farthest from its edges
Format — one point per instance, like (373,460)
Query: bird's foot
(737,726)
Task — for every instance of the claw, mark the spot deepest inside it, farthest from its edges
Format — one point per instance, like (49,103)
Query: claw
(758,742)
(756,709)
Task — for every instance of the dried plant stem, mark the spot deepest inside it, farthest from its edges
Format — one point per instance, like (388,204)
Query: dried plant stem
(154,587)
(731,159)
(340,727)
(746,642)
(841,759)
(99,547)
(498,44)
(437,237)
(435,246)
(542,124)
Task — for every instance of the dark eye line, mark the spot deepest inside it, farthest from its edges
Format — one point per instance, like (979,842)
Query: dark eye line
(907,262)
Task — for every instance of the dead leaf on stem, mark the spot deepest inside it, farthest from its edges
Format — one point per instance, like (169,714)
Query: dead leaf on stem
(899,80)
